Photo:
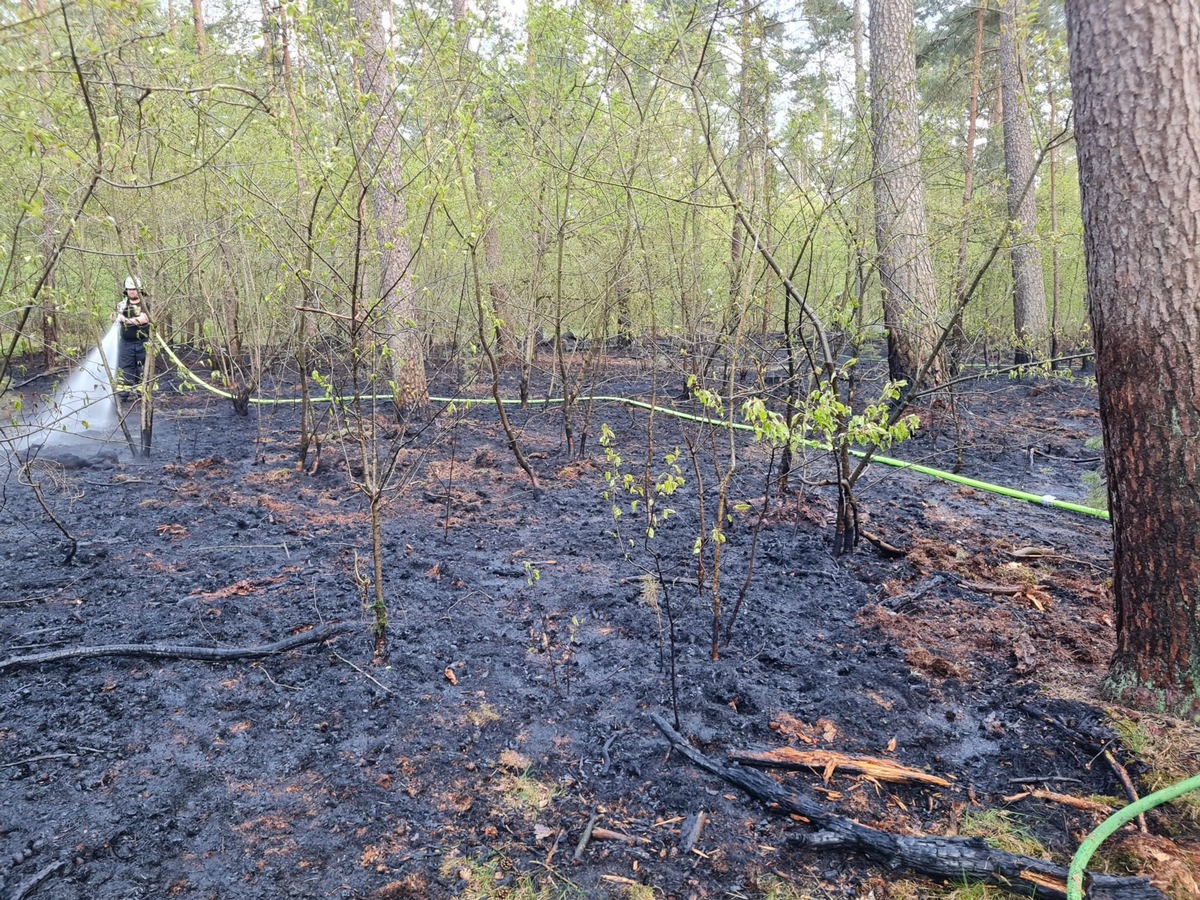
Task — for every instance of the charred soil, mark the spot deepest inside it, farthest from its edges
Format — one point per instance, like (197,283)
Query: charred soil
(527,646)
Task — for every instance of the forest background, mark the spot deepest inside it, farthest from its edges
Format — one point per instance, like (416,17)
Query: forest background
(283,179)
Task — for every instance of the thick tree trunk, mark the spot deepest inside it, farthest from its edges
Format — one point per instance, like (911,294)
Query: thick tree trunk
(1029,287)
(384,178)
(1135,73)
(910,308)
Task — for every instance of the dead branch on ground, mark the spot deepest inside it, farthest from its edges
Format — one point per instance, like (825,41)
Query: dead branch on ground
(948,859)
(175,651)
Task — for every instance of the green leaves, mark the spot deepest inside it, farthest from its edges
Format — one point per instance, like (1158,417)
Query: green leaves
(825,422)
(625,489)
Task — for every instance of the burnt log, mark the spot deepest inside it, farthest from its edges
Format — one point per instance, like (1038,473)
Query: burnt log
(951,859)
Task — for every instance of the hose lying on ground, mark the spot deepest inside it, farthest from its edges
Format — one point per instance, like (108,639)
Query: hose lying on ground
(1047,500)
(1109,826)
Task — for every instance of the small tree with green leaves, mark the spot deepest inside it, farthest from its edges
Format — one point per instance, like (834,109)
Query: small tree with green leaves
(646,497)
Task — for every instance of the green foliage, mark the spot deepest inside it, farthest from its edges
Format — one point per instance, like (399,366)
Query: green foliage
(625,489)
(826,422)
(1165,745)
(1131,734)
(532,574)
(595,156)
(1097,490)
(490,879)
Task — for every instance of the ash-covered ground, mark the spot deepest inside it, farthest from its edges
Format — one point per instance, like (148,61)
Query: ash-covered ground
(527,646)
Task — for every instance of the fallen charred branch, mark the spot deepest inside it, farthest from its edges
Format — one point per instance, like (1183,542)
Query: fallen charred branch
(176,651)
(948,859)
(31,884)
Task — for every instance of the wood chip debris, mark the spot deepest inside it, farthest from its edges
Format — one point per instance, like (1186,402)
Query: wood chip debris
(690,832)
(1065,799)
(985,588)
(607,834)
(1034,553)
(828,761)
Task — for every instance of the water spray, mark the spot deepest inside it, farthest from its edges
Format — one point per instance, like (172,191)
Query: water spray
(83,406)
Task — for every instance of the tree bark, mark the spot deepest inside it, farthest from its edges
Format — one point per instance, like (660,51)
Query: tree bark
(198,25)
(1135,74)
(1029,287)
(910,307)
(493,254)
(51,209)
(383,174)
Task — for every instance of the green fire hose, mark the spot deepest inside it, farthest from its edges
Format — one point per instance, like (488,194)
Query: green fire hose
(1040,499)
(1080,860)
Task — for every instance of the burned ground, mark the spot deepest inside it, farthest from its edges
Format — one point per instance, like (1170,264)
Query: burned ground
(526,652)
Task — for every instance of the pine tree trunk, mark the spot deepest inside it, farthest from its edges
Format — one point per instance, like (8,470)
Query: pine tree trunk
(1029,287)
(198,25)
(1135,74)
(910,308)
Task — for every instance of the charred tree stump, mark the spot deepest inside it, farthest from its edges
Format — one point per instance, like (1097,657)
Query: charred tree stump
(948,859)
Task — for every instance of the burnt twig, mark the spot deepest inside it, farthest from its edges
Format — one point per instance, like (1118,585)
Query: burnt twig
(1127,783)
(174,651)
(586,837)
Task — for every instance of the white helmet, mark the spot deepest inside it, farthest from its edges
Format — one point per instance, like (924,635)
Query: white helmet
(132,284)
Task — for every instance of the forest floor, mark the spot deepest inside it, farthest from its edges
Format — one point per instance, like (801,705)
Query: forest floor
(526,652)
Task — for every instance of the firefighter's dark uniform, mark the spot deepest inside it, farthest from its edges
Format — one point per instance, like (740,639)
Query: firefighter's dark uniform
(131,349)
